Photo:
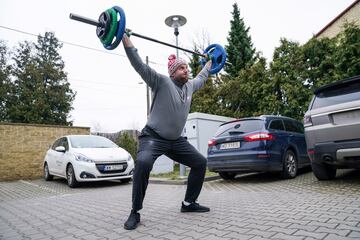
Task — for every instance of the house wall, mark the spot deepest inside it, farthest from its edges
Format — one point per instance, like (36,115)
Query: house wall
(351,15)
(23,147)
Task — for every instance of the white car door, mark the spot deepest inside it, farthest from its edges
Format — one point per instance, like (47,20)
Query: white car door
(52,157)
(61,157)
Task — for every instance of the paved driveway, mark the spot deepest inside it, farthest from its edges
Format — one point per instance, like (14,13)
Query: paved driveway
(254,206)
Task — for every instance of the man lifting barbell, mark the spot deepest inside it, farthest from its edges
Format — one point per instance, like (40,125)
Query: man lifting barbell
(162,133)
(169,110)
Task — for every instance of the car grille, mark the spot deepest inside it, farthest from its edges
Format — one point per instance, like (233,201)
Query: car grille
(109,168)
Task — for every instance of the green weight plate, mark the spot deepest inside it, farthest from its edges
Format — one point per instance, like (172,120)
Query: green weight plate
(113,27)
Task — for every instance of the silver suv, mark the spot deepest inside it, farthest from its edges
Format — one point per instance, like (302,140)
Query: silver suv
(332,128)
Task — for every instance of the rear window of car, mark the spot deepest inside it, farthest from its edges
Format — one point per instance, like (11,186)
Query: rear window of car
(239,127)
(337,95)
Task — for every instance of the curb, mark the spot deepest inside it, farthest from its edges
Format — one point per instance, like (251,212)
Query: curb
(180,181)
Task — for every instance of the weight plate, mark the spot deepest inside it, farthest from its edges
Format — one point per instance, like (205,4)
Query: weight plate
(107,40)
(218,57)
(120,30)
(105,21)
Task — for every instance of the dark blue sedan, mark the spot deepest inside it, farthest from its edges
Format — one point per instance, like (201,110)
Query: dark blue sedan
(258,144)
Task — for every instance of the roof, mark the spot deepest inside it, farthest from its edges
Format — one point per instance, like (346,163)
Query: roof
(334,85)
(337,18)
(262,117)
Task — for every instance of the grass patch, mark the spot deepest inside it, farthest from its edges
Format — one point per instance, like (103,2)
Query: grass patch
(175,175)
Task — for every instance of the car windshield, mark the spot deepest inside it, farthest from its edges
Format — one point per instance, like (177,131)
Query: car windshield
(91,142)
(239,127)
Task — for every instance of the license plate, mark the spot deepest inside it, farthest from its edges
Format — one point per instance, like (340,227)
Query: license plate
(230,145)
(113,167)
(348,117)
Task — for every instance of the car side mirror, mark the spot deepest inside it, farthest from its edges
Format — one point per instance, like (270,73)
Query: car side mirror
(60,149)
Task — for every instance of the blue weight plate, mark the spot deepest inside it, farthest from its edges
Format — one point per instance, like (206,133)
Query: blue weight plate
(121,28)
(218,57)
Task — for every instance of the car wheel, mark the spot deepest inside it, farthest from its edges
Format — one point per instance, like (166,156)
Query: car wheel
(227,176)
(323,172)
(70,176)
(47,175)
(289,165)
(125,180)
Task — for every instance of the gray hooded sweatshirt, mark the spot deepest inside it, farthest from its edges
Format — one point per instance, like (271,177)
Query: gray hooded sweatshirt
(171,99)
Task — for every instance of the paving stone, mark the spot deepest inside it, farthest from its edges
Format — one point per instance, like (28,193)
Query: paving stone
(349,227)
(332,230)
(333,236)
(322,224)
(262,233)
(288,231)
(355,234)
(310,234)
(253,206)
(303,227)
(282,236)
(172,236)
(235,235)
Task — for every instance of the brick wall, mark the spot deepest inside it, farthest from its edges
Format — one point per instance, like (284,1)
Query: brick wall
(23,147)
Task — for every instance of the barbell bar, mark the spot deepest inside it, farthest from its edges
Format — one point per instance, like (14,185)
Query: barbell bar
(110,31)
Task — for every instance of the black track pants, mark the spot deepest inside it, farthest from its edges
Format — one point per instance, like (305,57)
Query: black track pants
(180,150)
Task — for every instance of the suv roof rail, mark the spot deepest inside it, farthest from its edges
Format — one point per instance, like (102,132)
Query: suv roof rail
(337,83)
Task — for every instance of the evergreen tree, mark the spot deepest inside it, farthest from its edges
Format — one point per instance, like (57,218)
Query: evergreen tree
(128,143)
(42,93)
(240,50)
(21,107)
(288,85)
(243,95)
(346,58)
(318,60)
(5,83)
(203,100)
(195,64)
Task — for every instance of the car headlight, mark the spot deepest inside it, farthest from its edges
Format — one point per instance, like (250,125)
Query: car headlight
(83,158)
(129,158)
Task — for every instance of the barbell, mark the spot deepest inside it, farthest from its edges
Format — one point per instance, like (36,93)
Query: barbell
(110,29)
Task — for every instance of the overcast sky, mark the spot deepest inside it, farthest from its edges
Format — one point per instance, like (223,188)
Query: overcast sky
(109,94)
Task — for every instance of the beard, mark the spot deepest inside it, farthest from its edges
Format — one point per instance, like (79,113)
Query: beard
(182,78)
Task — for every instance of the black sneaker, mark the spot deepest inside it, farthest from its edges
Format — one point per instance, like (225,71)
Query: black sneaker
(132,221)
(194,207)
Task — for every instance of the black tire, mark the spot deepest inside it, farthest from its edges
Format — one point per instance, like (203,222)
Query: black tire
(125,180)
(323,171)
(227,176)
(47,175)
(70,176)
(290,165)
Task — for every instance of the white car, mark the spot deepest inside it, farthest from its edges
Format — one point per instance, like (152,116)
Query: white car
(87,158)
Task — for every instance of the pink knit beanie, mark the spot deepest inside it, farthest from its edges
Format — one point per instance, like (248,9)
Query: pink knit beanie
(174,63)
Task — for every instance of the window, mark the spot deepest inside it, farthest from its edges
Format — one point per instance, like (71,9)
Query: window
(292,126)
(56,144)
(61,142)
(277,125)
(341,94)
(299,126)
(64,143)
(240,127)
(91,142)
